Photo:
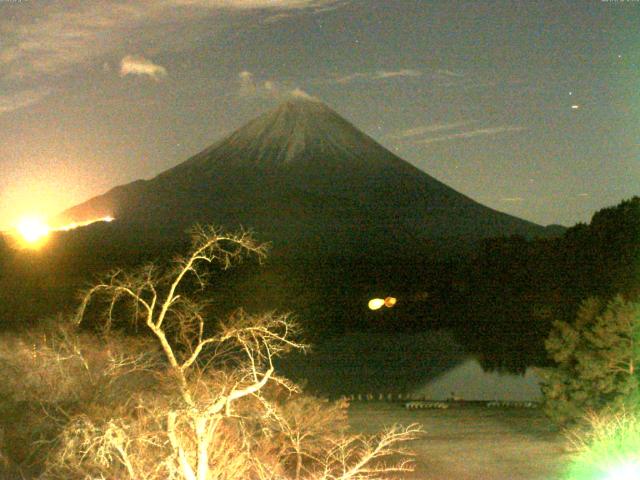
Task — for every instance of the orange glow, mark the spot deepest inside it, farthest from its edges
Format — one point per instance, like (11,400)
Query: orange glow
(71,226)
(378,303)
(32,232)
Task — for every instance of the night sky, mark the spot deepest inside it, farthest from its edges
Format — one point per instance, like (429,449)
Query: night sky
(530,107)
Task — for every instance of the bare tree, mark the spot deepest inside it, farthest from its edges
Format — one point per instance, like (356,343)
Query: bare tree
(211,415)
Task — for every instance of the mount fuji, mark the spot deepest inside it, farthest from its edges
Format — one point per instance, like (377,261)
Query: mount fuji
(301,176)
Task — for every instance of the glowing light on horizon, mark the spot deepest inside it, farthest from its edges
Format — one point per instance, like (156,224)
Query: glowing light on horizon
(33,231)
(72,225)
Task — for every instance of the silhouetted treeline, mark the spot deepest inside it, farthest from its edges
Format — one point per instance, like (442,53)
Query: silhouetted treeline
(500,296)
(514,288)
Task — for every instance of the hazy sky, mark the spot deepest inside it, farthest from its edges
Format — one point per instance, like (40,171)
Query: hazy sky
(529,107)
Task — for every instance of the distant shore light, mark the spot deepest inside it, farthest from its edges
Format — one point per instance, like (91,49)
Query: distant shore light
(376,303)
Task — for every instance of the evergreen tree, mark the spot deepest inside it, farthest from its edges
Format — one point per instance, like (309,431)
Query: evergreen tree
(597,360)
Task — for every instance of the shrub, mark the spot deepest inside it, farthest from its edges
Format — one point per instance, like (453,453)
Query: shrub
(597,358)
(50,373)
(606,447)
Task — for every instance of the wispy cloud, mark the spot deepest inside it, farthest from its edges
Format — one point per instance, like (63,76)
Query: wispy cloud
(251,87)
(449,77)
(352,77)
(449,73)
(52,39)
(271,87)
(9,103)
(419,131)
(378,75)
(299,93)
(136,65)
(278,17)
(405,72)
(471,133)
(313,8)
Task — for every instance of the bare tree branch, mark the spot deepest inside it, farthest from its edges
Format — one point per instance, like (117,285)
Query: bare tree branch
(212,414)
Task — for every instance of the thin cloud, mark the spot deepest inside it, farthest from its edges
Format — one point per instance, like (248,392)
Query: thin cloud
(379,75)
(9,103)
(276,18)
(419,131)
(247,84)
(271,87)
(316,5)
(312,9)
(512,199)
(299,93)
(250,87)
(449,73)
(66,34)
(136,65)
(405,72)
(470,134)
(442,77)
(330,6)
(354,76)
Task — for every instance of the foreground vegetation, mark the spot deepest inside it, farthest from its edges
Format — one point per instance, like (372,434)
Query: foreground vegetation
(178,400)
(596,361)
(606,446)
(140,385)
(593,391)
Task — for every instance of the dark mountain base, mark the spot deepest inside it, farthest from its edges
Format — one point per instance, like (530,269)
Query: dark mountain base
(499,298)
(328,294)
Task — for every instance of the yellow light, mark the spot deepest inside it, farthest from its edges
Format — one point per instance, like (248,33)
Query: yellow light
(74,225)
(32,230)
(376,303)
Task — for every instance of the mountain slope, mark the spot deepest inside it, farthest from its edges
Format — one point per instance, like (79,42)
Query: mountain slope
(303,175)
